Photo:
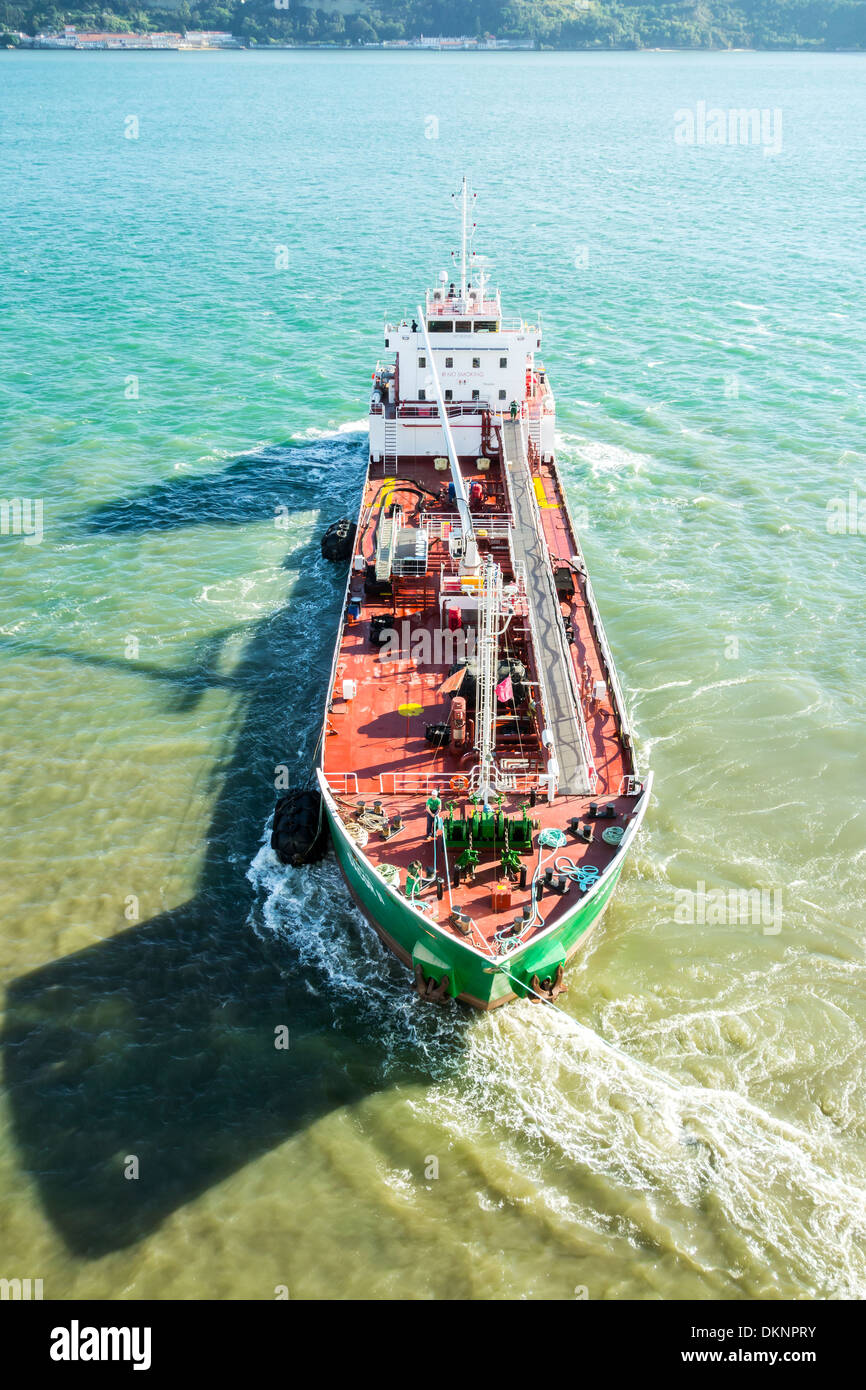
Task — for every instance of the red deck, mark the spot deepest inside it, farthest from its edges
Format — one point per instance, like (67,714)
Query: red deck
(372,752)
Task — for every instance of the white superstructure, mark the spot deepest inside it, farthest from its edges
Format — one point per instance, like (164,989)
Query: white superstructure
(486,366)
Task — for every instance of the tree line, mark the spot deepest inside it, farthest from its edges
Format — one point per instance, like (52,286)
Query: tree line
(586,24)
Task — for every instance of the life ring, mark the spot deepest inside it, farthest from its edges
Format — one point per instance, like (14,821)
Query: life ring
(459,784)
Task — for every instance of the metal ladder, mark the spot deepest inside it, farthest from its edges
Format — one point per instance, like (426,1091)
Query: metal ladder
(390,447)
(387,535)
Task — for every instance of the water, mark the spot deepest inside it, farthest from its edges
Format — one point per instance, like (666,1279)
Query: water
(695,1127)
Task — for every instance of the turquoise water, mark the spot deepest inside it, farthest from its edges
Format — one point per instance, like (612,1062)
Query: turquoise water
(695,1128)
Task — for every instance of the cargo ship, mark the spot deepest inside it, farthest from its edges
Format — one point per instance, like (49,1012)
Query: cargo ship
(477,768)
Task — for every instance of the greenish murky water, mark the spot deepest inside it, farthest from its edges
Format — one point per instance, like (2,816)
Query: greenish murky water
(188,323)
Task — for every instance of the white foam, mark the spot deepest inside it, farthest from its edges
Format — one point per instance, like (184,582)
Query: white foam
(611,458)
(333,430)
(690,1167)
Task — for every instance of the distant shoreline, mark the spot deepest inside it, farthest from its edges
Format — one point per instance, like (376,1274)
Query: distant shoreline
(422,52)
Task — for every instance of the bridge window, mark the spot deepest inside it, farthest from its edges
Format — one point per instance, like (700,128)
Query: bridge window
(503,361)
(439,326)
(463,326)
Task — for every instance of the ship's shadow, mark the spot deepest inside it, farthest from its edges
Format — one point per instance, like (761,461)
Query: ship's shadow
(159,1044)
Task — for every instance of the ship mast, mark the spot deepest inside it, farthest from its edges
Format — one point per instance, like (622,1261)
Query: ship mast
(463,250)
(467,232)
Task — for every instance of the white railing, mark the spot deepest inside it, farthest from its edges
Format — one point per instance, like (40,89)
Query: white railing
(426,410)
(440,305)
(498,527)
(601,637)
(408,783)
(344,782)
(598,626)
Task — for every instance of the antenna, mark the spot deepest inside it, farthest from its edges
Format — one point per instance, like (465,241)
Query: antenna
(467,232)
(463,254)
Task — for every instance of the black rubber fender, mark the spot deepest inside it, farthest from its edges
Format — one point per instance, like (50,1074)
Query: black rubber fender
(300,833)
(338,541)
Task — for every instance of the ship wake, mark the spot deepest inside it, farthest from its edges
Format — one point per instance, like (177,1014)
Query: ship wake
(608,1153)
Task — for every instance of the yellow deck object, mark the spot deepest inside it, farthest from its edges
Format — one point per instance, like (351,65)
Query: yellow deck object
(409,709)
(386,494)
(539,494)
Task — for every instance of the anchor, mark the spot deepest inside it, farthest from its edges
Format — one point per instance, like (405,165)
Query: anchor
(550,987)
(428,989)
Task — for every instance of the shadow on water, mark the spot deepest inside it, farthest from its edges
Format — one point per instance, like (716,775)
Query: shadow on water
(159,1042)
(295,474)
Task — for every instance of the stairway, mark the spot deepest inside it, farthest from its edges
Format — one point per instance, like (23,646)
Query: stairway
(390,448)
(386,536)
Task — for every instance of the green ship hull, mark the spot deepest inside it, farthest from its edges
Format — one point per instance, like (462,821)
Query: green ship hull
(471,976)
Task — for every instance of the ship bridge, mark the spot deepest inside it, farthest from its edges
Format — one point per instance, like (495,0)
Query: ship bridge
(488,369)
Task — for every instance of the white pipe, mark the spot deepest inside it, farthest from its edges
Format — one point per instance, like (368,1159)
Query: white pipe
(451,448)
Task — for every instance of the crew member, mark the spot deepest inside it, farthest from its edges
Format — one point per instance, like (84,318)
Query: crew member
(433,806)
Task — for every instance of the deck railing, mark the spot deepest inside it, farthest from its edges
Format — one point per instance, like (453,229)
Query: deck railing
(425,410)
(344,783)
(516,781)
(598,628)
(441,525)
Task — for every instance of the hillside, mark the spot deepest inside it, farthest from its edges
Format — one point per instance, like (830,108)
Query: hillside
(817,24)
